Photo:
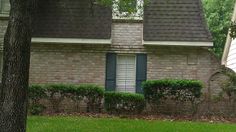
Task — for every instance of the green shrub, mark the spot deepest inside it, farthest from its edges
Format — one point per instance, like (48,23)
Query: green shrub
(36,109)
(92,93)
(177,90)
(124,103)
(56,93)
(36,92)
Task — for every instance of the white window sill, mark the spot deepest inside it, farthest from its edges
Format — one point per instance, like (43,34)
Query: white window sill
(4,16)
(128,18)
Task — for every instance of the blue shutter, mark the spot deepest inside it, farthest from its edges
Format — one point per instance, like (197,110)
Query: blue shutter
(141,71)
(110,84)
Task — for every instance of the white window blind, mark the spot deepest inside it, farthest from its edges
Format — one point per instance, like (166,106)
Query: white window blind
(126,73)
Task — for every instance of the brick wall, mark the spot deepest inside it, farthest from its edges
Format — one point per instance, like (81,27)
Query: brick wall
(66,64)
(127,38)
(181,63)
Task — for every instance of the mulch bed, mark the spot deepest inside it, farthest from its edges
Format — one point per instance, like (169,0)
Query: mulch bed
(151,117)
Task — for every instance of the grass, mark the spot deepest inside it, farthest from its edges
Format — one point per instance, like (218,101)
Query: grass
(87,124)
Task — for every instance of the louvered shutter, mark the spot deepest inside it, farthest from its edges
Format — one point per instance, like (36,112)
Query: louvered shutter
(110,84)
(141,71)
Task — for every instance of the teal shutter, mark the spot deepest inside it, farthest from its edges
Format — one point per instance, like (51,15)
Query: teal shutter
(110,84)
(141,71)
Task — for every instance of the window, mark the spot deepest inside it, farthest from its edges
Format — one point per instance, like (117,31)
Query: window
(4,6)
(126,73)
(127,9)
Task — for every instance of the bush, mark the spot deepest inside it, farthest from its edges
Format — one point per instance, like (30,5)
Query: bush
(92,93)
(56,93)
(124,103)
(177,90)
(36,109)
(36,92)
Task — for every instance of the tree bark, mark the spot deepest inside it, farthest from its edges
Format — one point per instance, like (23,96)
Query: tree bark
(16,61)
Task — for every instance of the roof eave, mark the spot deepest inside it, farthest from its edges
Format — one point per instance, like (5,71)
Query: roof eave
(178,43)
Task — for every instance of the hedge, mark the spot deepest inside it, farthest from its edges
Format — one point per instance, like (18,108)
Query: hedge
(124,103)
(36,92)
(56,93)
(177,90)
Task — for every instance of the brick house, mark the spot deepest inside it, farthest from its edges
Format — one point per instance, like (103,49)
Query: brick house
(79,41)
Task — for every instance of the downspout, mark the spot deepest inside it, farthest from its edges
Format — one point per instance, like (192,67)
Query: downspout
(228,41)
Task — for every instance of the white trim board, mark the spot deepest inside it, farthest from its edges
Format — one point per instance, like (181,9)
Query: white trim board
(71,41)
(178,43)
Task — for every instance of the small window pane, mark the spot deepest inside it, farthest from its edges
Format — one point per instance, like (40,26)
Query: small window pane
(5,6)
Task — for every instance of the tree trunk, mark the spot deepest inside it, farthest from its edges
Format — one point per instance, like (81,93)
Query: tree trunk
(16,61)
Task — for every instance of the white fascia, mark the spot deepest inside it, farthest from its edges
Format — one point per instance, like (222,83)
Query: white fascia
(71,41)
(178,43)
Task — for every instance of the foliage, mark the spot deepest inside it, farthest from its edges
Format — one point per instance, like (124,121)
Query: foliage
(229,86)
(177,90)
(93,93)
(125,8)
(36,92)
(36,109)
(233,30)
(124,103)
(56,93)
(218,14)
(229,89)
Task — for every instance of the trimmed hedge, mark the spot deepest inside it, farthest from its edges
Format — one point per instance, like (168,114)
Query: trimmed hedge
(124,103)
(36,92)
(177,90)
(56,93)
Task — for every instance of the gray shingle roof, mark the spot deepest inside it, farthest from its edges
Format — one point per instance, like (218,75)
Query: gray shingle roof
(71,19)
(175,20)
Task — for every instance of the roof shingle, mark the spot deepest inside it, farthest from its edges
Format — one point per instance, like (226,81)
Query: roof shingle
(175,20)
(71,19)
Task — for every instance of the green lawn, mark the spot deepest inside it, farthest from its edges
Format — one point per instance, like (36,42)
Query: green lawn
(86,124)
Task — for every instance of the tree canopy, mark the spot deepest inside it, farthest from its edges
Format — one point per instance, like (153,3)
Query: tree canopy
(218,14)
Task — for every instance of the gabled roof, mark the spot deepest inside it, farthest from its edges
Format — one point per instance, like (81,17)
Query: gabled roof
(71,19)
(175,20)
